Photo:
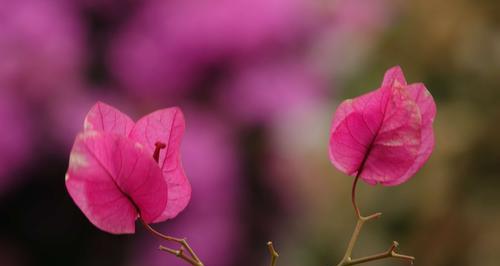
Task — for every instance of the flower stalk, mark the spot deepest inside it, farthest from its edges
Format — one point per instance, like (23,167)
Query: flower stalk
(361,220)
(190,257)
(274,254)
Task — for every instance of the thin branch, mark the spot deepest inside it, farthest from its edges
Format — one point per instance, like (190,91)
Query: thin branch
(391,253)
(354,238)
(273,253)
(356,208)
(179,253)
(353,196)
(193,259)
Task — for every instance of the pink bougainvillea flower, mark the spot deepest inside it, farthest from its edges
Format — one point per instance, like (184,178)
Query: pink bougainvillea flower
(119,169)
(384,136)
(112,179)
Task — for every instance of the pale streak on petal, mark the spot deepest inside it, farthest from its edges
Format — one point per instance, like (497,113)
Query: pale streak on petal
(77,160)
(87,125)
(139,145)
(88,134)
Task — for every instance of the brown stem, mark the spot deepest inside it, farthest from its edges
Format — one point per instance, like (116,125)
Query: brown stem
(273,253)
(179,253)
(192,259)
(353,196)
(391,253)
(353,199)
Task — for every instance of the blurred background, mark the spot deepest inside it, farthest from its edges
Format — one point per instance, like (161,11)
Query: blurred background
(258,81)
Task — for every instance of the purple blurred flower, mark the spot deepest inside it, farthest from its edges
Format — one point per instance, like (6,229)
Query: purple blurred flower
(265,91)
(167,46)
(40,47)
(107,12)
(348,33)
(211,221)
(67,111)
(15,139)
(363,16)
(109,7)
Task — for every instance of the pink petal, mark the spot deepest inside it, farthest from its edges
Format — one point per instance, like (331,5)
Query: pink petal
(377,133)
(352,130)
(112,178)
(179,192)
(419,93)
(394,77)
(103,117)
(166,126)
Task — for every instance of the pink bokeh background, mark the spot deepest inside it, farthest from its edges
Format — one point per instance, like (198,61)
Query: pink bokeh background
(258,81)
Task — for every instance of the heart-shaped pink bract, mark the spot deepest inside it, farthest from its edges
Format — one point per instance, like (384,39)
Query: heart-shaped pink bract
(384,136)
(120,170)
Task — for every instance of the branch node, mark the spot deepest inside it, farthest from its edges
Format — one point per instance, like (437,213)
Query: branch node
(371,217)
(192,258)
(389,253)
(274,254)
